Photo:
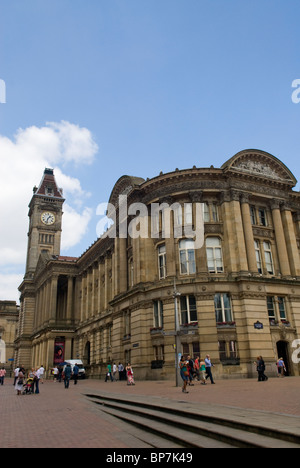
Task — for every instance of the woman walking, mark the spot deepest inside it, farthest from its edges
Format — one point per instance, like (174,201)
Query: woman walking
(19,383)
(260,367)
(2,376)
(129,372)
(281,367)
(202,372)
(184,373)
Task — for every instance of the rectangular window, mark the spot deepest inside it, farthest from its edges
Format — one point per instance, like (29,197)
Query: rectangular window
(223,308)
(159,353)
(233,349)
(253,215)
(214,213)
(269,258)
(258,256)
(127,323)
(187,257)
(196,349)
(188,214)
(188,309)
(162,262)
(222,350)
(158,314)
(214,255)
(271,308)
(281,306)
(262,216)
(276,309)
(206,215)
(210,213)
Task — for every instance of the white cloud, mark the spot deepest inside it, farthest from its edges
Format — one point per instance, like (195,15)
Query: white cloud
(75,224)
(22,163)
(9,286)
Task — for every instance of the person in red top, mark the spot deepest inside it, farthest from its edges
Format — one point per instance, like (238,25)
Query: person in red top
(2,375)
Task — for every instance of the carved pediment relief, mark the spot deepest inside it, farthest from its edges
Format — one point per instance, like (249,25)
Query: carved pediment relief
(261,164)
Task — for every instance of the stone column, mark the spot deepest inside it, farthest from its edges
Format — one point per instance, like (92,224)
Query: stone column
(53,299)
(291,241)
(248,233)
(70,298)
(280,239)
(122,260)
(234,241)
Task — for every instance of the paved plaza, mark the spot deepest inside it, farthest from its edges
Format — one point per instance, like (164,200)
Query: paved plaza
(60,418)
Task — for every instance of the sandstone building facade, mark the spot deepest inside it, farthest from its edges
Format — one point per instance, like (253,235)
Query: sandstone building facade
(239,289)
(9,317)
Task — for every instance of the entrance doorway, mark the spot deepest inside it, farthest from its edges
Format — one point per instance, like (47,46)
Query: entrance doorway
(87,354)
(283,352)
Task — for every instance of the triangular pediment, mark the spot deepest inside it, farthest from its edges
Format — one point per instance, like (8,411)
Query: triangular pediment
(42,262)
(260,164)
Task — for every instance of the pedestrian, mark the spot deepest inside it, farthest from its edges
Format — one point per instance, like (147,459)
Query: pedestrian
(281,367)
(2,375)
(121,371)
(184,373)
(37,381)
(19,382)
(260,367)
(202,370)
(16,373)
(55,373)
(108,373)
(41,373)
(190,370)
(75,373)
(67,376)
(114,372)
(60,373)
(197,368)
(130,377)
(208,366)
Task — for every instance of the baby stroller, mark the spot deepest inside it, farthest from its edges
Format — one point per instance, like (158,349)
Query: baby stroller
(28,387)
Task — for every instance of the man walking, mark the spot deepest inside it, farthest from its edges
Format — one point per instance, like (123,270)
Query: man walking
(208,366)
(68,374)
(75,373)
(108,373)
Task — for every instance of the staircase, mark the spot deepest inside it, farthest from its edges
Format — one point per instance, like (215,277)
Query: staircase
(163,423)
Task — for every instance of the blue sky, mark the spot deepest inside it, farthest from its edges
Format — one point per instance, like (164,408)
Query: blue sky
(157,84)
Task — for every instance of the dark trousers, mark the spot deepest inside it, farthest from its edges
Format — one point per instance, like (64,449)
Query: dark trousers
(37,389)
(261,376)
(209,374)
(67,382)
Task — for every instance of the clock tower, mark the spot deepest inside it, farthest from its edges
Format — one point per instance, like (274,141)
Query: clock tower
(45,221)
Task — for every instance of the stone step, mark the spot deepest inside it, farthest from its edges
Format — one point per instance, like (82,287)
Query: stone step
(202,432)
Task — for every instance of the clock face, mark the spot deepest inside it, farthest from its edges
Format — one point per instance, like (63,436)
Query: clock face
(48,218)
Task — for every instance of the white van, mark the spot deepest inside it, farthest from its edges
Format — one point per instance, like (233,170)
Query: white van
(79,363)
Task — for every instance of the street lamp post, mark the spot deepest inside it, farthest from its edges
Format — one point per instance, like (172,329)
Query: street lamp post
(177,335)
